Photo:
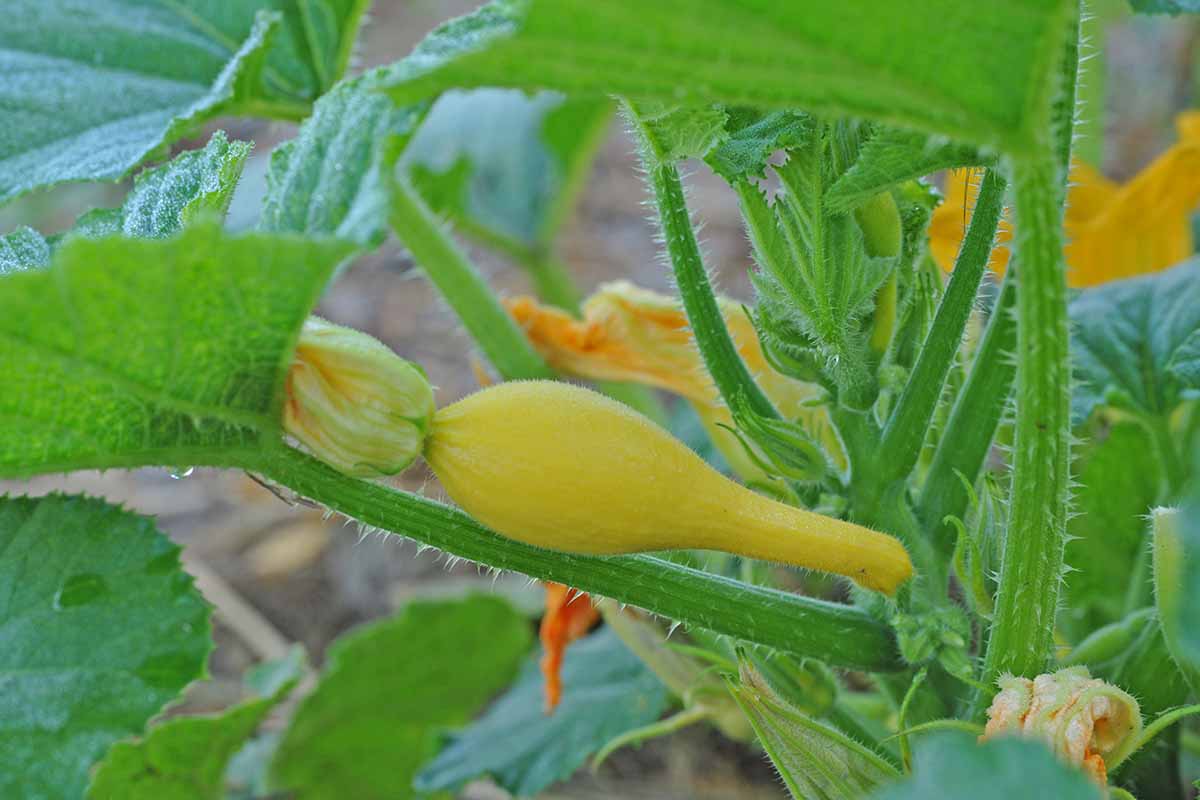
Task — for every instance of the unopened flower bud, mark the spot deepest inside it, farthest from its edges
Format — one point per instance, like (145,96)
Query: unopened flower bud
(354,403)
(1088,722)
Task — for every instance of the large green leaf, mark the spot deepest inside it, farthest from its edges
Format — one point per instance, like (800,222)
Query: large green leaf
(23,249)
(387,690)
(93,88)
(1136,342)
(815,761)
(185,758)
(953,765)
(607,691)
(99,629)
(334,178)
(128,352)
(504,165)
(971,72)
(1119,480)
(194,184)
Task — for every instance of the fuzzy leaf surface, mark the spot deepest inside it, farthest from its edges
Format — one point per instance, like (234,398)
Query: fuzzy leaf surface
(94,88)
(99,629)
(166,198)
(130,352)
(937,66)
(23,249)
(608,691)
(892,156)
(387,691)
(334,178)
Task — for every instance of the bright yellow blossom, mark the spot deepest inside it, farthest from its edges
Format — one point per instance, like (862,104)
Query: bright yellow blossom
(1113,231)
(354,403)
(632,334)
(565,468)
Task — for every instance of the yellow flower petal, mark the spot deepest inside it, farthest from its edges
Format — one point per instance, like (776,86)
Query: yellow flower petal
(1113,231)
(632,334)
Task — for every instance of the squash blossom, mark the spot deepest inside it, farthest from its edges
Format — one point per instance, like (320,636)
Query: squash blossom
(633,334)
(354,403)
(1113,231)
(565,468)
(1086,721)
(569,615)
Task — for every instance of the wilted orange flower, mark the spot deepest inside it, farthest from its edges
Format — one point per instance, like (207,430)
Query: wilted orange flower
(632,334)
(1113,231)
(1086,721)
(569,615)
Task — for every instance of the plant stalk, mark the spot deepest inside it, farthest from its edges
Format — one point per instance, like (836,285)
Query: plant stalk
(489,325)
(840,635)
(908,426)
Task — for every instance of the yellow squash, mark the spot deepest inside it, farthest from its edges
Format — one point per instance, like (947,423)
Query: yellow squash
(562,467)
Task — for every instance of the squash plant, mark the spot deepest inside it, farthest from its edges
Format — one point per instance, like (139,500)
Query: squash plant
(979,457)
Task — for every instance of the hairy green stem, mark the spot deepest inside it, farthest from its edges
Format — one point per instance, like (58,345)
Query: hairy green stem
(1022,635)
(716,346)
(1031,567)
(908,426)
(840,635)
(978,409)
(497,335)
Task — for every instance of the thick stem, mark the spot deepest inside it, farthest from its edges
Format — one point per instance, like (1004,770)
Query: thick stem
(840,635)
(963,447)
(497,335)
(1031,568)
(908,426)
(716,346)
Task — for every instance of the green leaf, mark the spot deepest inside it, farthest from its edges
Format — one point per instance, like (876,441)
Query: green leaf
(1135,342)
(673,132)
(185,758)
(23,249)
(129,352)
(98,87)
(194,184)
(503,165)
(387,690)
(607,691)
(892,156)
(334,178)
(99,629)
(954,765)
(973,76)
(752,137)
(813,759)
(165,199)
(1172,7)
(1118,482)
(1177,587)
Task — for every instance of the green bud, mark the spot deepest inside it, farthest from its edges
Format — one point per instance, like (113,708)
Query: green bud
(879,220)
(355,404)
